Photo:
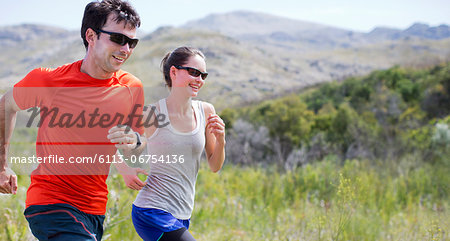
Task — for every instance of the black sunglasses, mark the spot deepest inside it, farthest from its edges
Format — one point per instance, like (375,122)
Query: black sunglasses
(193,71)
(120,39)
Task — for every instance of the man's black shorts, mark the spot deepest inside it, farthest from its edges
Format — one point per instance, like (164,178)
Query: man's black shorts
(63,222)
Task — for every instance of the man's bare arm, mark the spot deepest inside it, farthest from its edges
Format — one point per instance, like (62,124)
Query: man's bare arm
(8,110)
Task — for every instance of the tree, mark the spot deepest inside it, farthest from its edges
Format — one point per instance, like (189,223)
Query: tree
(228,116)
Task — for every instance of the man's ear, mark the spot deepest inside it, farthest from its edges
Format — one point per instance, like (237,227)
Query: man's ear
(91,35)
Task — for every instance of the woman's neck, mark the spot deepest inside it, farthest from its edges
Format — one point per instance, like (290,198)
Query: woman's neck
(179,105)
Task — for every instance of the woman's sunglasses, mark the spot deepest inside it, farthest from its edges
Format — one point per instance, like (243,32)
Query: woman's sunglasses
(193,71)
(120,39)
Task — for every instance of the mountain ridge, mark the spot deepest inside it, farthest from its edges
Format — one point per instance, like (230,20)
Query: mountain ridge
(240,19)
(245,66)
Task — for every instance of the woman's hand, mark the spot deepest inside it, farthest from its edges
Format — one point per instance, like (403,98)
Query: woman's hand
(129,174)
(216,126)
(131,179)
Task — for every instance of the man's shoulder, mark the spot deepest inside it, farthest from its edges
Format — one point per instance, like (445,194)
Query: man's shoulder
(42,77)
(128,79)
(63,69)
(70,67)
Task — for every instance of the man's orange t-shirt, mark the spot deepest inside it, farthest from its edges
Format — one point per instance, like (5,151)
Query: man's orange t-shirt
(76,111)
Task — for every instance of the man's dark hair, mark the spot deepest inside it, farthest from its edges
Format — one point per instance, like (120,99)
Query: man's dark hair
(96,13)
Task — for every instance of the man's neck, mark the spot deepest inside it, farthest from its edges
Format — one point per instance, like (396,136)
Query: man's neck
(93,70)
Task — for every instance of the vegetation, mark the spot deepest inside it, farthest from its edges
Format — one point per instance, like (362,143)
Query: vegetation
(365,159)
(386,115)
(321,201)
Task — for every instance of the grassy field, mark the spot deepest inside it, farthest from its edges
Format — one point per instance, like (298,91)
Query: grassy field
(326,200)
(397,119)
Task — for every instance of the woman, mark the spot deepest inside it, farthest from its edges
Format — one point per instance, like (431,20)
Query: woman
(163,207)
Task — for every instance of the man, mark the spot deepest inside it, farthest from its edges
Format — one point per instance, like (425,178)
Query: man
(78,103)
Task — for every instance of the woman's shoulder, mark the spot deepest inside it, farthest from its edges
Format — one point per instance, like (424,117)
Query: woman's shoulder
(150,119)
(207,107)
(150,111)
(150,108)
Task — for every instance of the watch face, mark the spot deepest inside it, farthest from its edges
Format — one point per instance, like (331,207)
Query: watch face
(138,143)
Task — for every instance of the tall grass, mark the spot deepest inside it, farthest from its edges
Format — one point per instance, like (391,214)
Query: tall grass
(327,200)
(323,201)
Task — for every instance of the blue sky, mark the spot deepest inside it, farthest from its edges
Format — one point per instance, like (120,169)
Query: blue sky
(356,15)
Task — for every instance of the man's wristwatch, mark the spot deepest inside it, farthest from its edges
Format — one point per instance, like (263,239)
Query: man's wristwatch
(138,143)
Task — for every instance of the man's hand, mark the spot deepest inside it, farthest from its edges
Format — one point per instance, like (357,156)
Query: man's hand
(8,181)
(123,137)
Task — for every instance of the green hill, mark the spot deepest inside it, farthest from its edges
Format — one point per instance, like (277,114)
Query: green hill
(386,115)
